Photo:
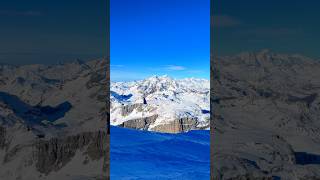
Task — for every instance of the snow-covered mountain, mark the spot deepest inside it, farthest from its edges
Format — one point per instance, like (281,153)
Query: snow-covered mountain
(265,116)
(53,121)
(160,103)
(80,86)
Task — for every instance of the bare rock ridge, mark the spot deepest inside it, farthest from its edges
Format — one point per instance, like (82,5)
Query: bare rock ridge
(53,154)
(265,116)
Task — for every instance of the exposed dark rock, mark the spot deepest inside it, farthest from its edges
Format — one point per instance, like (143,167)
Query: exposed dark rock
(127,109)
(178,125)
(2,137)
(53,154)
(95,79)
(141,123)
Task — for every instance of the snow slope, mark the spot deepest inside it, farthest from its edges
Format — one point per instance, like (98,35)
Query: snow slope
(149,155)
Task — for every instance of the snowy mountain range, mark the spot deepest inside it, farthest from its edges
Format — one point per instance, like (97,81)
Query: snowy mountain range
(53,121)
(265,116)
(161,103)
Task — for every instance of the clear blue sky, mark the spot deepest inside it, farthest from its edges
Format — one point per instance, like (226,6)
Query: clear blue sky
(156,37)
(41,31)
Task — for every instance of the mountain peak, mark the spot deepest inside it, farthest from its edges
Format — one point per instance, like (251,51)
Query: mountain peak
(159,78)
(264,51)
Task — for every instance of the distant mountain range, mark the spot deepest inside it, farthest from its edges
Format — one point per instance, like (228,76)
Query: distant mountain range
(266,112)
(161,103)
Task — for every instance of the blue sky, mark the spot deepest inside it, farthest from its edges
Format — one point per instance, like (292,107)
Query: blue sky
(157,37)
(40,31)
(154,36)
(286,26)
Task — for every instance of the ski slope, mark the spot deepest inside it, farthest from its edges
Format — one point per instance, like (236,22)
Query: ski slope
(149,155)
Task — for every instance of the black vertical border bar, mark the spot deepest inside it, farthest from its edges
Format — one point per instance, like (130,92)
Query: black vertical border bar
(107,168)
(211,94)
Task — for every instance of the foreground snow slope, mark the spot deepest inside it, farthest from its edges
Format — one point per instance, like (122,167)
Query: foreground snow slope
(160,103)
(149,155)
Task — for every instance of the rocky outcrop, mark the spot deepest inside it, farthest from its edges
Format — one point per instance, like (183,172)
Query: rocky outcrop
(2,137)
(178,125)
(95,79)
(127,109)
(141,123)
(53,154)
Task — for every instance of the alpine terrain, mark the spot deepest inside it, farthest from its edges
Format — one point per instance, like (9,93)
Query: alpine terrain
(165,109)
(53,121)
(160,103)
(265,117)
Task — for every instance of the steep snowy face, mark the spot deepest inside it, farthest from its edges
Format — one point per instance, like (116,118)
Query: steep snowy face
(160,101)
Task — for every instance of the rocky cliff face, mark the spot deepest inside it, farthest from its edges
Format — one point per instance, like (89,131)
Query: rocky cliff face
(140,123)
(175,126)
(53,154)
(46,158)
(265,109)
(178,125)
(2,137)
